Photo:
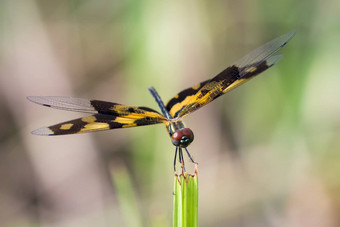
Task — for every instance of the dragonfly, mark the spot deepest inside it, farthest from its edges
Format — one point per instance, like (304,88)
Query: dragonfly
(110,115)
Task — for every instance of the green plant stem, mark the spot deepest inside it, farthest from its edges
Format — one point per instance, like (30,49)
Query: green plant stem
(186,199)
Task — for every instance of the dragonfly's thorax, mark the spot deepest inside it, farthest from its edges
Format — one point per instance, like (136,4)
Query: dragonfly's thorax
(180,136)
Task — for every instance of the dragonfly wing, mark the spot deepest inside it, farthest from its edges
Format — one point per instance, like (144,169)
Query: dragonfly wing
(97,122)
(106,115)
(241,71)
(96,106)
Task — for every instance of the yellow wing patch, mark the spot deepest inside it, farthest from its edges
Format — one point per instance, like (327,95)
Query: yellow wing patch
(95,126)
(66,126)
(89,119)
(178,106)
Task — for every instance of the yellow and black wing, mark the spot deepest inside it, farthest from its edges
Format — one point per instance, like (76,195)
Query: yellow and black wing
(241,71)
(106,115)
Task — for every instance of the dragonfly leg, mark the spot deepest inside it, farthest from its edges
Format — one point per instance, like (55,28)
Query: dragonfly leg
(181,159)
(175,159)
(179,155)
(192,160)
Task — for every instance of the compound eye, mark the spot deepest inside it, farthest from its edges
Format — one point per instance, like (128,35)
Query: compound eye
(188,133)
(177,136)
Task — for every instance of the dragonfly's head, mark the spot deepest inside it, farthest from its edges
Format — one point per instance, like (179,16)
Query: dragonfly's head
(182,137)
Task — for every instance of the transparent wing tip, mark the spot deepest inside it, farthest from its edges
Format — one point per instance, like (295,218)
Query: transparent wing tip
(42,132)
(31,98)
(37,99)
(288,36)
(273,60)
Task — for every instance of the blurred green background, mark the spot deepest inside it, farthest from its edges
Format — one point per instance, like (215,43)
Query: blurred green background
(268,152)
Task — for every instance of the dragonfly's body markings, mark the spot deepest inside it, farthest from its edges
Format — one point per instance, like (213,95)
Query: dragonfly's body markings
(109,115)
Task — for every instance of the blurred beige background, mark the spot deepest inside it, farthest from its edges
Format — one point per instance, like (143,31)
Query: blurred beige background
(268,152)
